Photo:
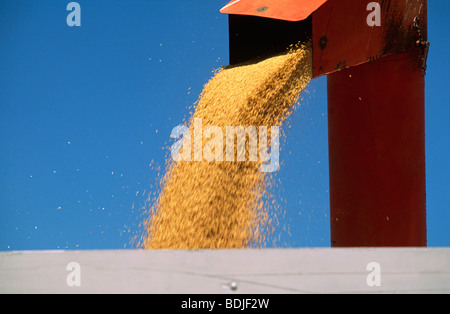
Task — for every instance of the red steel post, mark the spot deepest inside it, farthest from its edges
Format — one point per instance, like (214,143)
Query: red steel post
(377,153)
(376,84)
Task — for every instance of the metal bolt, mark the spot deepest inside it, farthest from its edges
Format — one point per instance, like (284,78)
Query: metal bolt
(323,42)
(262,9)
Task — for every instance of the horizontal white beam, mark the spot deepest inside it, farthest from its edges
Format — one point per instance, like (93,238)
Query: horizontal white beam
(359,270)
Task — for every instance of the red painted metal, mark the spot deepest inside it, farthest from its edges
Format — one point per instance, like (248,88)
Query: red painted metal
(342,37)
(375,111)
(377,153)
(288,10)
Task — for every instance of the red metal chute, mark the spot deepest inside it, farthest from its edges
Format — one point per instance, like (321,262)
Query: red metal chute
(376,124)
(288,10)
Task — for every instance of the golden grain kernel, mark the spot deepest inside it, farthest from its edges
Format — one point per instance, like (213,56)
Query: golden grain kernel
(219,204)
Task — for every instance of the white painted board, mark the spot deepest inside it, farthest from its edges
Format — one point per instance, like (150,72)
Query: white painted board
(252,271)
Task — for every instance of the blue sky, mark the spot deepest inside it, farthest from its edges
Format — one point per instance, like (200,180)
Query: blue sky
(85,113)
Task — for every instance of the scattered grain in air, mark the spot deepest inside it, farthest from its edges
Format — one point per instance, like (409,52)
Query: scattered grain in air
(217,205)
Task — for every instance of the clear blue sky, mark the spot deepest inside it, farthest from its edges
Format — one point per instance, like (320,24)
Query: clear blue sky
(85,110)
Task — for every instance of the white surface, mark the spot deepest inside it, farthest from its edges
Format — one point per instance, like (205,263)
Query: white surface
(252,271)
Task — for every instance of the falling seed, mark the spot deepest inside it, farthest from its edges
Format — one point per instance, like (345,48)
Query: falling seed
(220,204)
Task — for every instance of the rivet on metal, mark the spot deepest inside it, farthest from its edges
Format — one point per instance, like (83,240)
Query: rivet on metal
(262,9)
